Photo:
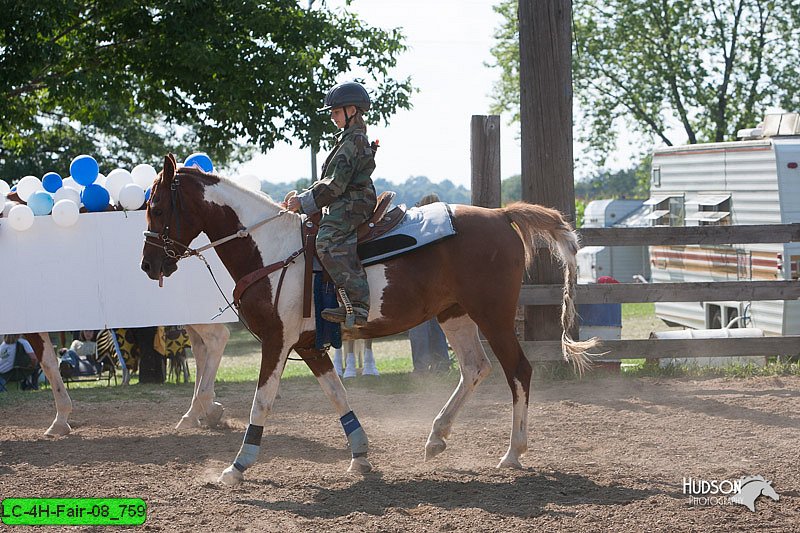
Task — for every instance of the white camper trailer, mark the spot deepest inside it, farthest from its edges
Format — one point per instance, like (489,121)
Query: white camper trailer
(752,181)
(623,263)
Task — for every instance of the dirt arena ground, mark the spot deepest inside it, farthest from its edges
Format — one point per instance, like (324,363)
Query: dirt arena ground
(605,454)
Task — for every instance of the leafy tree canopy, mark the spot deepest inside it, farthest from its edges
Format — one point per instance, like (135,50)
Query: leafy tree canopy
(128,80)
(672,70)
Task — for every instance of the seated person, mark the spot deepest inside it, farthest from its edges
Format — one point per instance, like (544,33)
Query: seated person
(18,362)
(80,357)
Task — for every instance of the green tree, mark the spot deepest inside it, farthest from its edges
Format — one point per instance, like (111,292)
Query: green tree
(129,80)
(668,70)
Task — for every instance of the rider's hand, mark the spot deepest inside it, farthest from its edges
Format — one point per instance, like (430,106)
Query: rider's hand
(293,204)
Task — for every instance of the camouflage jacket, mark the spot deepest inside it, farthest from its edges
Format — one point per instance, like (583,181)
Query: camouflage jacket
(345,175)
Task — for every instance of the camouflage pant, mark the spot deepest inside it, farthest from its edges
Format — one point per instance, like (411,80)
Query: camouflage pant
(336,247)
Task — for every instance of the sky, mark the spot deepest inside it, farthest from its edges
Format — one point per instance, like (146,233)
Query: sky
(449,44)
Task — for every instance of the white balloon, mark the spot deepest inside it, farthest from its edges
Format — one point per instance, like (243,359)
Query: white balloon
(27,186)
(144,175)
(100,180)
(116,180)
(67,193)
(65,213)
(70,182)
(250,181)
(20,217)
(7,207)
(5,188)
(131,196)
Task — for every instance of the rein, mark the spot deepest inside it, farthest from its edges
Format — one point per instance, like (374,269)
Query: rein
(169,245)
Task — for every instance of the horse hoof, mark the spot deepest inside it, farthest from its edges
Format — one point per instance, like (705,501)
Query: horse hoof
(231,477)
(360,465)
(434,448)
(187,422)
(58,429)
(214,414)
(510,462)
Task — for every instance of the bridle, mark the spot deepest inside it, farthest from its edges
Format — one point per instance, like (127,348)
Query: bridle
(170,245)
(177,250)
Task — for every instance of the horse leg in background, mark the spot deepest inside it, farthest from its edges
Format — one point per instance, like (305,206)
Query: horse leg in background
(370,369)
(349,348)
(338,364)
(462,333)
(320,364)
(208,344)
(49,364)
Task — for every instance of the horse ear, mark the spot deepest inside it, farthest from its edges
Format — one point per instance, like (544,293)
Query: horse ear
(170,165)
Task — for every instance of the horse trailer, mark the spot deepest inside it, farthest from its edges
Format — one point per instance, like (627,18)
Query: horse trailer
(755,180)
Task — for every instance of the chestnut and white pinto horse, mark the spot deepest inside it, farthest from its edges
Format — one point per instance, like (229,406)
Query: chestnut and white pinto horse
(208,343)
(468,281)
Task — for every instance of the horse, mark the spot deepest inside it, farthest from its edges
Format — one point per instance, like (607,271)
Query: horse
(208,343)
(469,281)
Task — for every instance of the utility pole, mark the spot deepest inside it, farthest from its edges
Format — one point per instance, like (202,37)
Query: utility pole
(545,45)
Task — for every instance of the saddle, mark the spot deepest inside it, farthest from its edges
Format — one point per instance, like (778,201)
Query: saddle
(381,222)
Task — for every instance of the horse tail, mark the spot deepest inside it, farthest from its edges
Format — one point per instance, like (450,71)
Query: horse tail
(538,224)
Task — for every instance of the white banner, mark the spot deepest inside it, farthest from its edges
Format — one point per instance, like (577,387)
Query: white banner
(87,276)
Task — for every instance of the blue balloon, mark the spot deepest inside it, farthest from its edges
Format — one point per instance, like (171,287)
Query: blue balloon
(95,198)
(14,188)
(84,169)
(52,182)
(147,194)
(200,160)
(41,203)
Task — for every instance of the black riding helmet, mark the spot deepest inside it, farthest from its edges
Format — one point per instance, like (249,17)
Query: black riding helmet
(344,94)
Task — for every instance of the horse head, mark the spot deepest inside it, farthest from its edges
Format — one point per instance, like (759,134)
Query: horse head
(171,223)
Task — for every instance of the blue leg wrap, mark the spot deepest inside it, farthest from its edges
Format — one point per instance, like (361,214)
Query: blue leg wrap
(359,444)
(248,453)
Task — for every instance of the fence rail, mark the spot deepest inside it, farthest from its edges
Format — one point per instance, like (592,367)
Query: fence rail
(667,236)
(715,291)
(615,350)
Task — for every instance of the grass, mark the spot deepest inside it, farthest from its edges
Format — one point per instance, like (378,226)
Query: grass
(242,359)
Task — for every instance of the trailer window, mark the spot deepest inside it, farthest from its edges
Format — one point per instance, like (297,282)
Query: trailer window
(712,210)
(666,211)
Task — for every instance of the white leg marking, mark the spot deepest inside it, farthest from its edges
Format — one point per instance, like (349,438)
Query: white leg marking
(519,430)
(475,366)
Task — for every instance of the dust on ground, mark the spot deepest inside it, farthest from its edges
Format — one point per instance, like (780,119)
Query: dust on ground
(604,454)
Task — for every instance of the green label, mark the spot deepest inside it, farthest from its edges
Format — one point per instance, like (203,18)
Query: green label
(74,511)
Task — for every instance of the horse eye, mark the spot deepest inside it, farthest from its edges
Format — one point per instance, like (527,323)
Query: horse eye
(157,212)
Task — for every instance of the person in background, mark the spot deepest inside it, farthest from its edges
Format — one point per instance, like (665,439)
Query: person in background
(18,362)
(428,342)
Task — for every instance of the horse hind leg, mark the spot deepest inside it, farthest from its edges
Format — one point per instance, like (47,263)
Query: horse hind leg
(462,333)
(518,372)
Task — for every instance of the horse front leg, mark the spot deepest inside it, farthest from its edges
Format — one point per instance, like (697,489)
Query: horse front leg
(272,363)
(208,344)
(49,364)
(322,368)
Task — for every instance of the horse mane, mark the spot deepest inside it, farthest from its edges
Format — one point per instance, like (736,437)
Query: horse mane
(209,178)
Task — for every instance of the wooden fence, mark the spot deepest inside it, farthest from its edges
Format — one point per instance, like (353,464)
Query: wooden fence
(676,292)
(485,150)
